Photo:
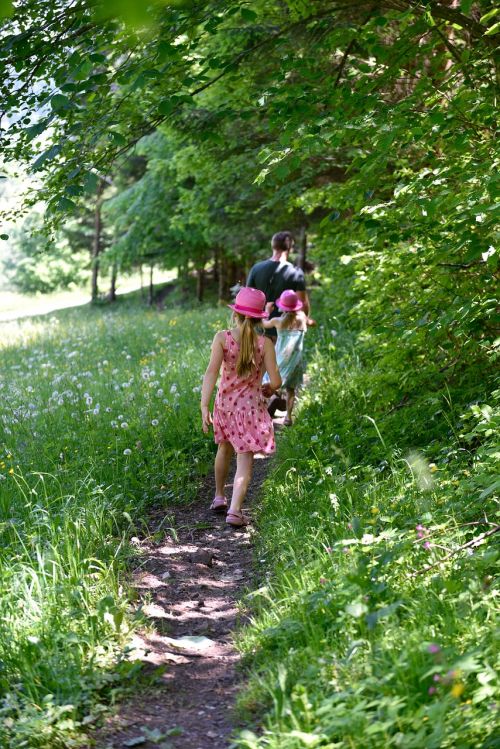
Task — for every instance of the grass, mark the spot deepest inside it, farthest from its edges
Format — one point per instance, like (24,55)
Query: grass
(98,421)
(375,622)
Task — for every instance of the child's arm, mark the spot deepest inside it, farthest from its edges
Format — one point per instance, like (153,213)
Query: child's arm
(274,322)
(271,365)
(210,379)
(270,323)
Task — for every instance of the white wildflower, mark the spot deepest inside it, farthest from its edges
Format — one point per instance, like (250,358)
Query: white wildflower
(124,425)
(155,422)
(127,451)
(334,501)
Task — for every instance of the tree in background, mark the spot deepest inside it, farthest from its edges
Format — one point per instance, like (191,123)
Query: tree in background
(370,125)
(42,264)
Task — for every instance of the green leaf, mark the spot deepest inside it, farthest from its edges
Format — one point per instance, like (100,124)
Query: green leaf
(47,155)
(65,204)
(493,29)
(248,15)
(34,130)
(59,103)
(4,236)
(489,490)
(135,741)
(167,106)
(6,8)
(117,138)
(90,182)
(489,15)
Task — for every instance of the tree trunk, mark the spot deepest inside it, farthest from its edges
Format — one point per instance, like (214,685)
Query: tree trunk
(112,288)
(216,265)
(151,288)
(222,279)
(200,283)
(141,276)
(302,247)
(96,244)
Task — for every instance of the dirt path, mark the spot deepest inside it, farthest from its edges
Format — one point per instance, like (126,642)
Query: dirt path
(189,587)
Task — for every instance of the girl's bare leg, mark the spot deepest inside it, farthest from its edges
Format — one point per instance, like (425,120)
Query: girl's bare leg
(290,400)
(222,462)
(244,465)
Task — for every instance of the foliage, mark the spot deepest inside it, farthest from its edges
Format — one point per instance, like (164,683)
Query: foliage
(96,424)
(38,264)
(373,625)
(377,130)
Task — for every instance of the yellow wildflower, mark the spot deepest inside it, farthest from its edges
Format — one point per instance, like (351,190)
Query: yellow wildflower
(457,689)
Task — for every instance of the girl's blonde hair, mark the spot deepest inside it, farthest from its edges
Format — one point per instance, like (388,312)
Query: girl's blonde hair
(287,319)
(246,363)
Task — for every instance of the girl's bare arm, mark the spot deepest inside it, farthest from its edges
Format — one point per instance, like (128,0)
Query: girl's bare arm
(271,365)
(275,322)
(210,379)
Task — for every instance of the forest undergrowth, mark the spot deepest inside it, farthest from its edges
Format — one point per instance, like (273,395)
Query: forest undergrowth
(375,623)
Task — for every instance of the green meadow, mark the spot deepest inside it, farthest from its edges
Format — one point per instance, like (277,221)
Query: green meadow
(99,422)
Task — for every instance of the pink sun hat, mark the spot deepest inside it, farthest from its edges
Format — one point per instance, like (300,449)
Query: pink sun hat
(250,302)
(289,301)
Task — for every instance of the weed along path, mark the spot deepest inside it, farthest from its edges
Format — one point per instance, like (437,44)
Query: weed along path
(188,583)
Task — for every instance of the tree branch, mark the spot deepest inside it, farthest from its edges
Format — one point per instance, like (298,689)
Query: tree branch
(470,544)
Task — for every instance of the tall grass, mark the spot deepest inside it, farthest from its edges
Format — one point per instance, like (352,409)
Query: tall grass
(375,624)
(98,421)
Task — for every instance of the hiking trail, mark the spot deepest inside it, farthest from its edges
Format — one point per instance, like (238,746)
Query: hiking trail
(188,585)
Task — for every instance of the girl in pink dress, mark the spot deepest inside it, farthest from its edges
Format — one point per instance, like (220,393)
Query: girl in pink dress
(240,420)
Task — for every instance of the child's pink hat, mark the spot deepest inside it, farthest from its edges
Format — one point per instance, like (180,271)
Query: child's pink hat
(250,302)
(289,301)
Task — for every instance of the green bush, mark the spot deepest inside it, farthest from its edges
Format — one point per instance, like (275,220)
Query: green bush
(374,625)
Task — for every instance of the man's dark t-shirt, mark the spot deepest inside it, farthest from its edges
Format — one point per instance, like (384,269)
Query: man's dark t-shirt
(273,277)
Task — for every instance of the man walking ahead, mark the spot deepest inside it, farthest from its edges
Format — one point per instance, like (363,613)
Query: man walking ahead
(277,274)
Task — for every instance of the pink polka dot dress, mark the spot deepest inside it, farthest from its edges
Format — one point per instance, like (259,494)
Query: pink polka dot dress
(240,413)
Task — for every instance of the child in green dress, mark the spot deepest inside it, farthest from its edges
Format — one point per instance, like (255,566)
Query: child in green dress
(291,328)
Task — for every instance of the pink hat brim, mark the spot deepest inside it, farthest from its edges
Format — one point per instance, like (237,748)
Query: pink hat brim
(248,312)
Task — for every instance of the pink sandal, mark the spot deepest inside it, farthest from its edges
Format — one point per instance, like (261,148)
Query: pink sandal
(219,503)
(237,519)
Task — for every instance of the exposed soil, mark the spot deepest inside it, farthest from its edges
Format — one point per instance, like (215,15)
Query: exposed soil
(188,584)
